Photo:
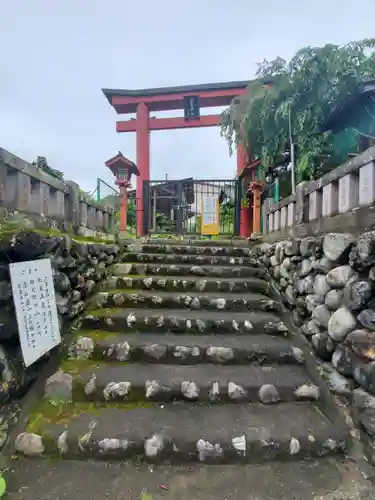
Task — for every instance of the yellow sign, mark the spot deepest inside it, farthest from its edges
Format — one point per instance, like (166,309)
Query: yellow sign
(210,219)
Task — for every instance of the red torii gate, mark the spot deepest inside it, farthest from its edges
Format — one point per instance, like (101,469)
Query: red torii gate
(143,101)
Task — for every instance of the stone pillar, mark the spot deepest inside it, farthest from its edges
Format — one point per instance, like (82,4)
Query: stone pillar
(99,218)
(106,222)
(271,226)
(330,200)
(265,207)
(283,217)
(3,188)
(366,184)
(315,205)
(18,191)
(39,197)
(83,220)
(91,217)
(73,216)
(348,193)
(57,204)
(276,220)
(291,215)
(301,204)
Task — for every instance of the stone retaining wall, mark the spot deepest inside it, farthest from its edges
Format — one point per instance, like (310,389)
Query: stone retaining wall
(328,282)
(77,267)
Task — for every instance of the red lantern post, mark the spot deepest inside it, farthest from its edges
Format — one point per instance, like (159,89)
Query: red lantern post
(122,168)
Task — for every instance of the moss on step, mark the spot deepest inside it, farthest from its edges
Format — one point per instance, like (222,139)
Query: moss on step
(96,335)
(104,312)
(77,366)
(46,413)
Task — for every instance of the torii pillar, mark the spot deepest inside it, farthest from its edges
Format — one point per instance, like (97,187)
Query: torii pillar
(245,214)
(143,159)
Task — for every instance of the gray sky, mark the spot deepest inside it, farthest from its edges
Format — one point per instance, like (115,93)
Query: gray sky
(56,55)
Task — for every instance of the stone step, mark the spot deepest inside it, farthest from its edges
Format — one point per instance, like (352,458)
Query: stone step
(184,321)
(239,248)
(193,260)
(236,285)
(188,270)
(194,301)
(186,349)
(187,433)
(204,382)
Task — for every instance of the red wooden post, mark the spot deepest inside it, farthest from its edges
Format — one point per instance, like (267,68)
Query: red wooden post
(123,207)
(143,160)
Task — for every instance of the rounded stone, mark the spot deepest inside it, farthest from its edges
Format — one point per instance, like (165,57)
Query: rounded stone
(340,324)
(305,268)
(154,445)
(220,354)
(336,246)
(313,301)
(195,303)
(310,328)
(291,247)
(236,392)
(367,318)
(29,444)
(189,390)
(84,347)
(323,345)
(155,351)
(310,246)
(342,360)
(62,443)
(321,315)
(59,387)
(268,394)
(362,342)
(333,299)
(307,391)
(116,390)
(339,276)
(357,295)
(205,450)
(294,446)
(321,287)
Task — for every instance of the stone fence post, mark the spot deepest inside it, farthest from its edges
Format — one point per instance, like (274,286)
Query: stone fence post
(73,215)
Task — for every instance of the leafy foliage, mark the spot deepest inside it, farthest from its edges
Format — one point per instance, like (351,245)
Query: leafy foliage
(42,163)
(113,200)
(307,87)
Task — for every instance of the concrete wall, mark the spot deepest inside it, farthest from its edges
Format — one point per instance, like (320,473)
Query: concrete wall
(27,189)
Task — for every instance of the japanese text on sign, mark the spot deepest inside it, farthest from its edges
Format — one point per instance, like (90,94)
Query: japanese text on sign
(35,303)
(209,210)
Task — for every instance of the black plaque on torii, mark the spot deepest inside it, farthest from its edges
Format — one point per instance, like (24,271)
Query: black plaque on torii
(192,107)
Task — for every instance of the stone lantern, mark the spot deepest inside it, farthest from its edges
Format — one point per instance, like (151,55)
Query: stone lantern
(122,168)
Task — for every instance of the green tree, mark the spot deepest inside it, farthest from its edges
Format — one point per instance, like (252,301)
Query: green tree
(42,163)
(307,87)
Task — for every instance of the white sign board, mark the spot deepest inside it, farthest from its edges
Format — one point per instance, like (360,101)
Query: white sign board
(35,303)
(209,210)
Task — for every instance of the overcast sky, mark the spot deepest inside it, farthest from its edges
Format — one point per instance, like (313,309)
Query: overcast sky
(56,55)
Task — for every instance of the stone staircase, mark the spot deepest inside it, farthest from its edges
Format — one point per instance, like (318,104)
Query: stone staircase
(185,356)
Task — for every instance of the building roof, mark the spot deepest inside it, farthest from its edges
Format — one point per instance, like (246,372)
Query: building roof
(167,98)
(120,160)
(339,117)
(181,89)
